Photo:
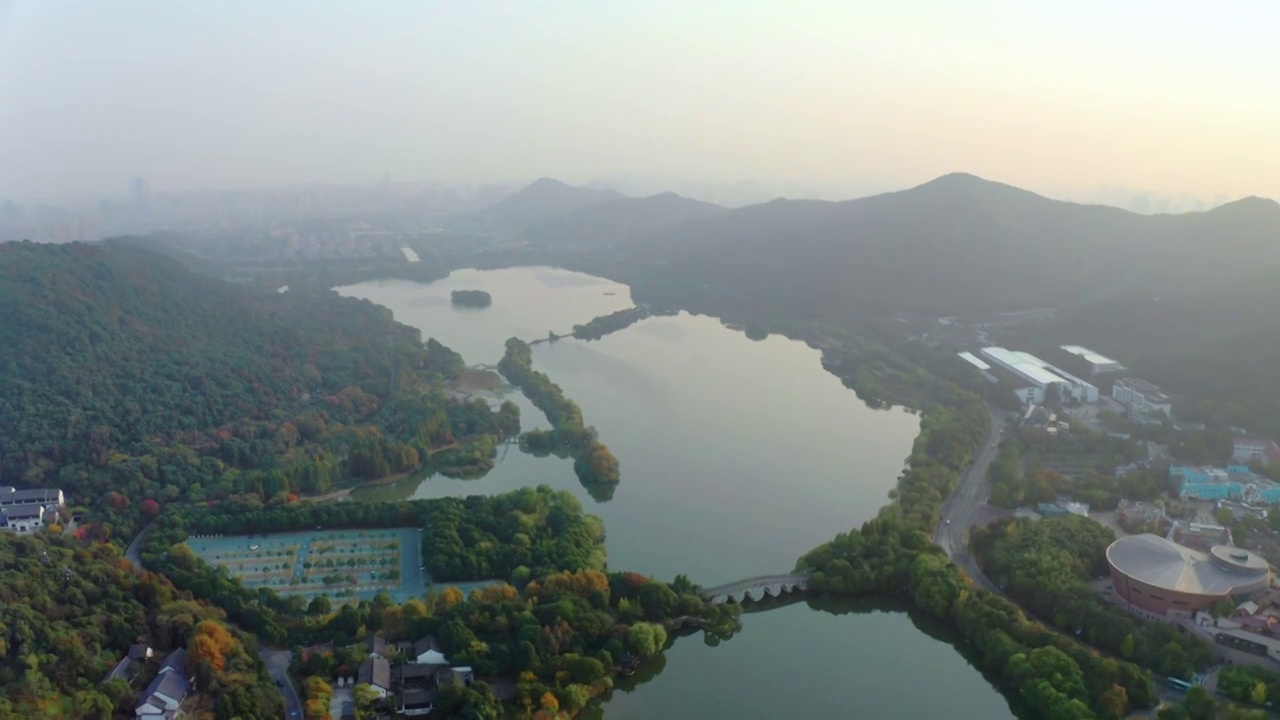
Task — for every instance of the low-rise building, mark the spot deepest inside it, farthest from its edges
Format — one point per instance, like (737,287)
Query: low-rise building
(26,511)
(376,673)
(1139,512)
(1235,482)
(416,702)
(1199,536)
(1141,398)
(1255,450)
(1035,376)
(1096,362)
(377,646)
(426,651)
(1062,509)
(166,692)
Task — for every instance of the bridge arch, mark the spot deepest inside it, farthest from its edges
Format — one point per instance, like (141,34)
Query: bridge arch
(757,588)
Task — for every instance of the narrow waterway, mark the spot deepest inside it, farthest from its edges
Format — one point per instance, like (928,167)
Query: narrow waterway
(737,457)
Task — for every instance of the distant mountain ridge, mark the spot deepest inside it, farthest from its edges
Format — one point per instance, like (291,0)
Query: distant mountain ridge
(540,202)
(616,221)
(953,245)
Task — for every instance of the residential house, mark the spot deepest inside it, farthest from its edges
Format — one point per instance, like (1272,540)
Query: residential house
(162,697)
(414,676)
(427,652)
(376,673)
(379,647)
(10,496)
(416,702)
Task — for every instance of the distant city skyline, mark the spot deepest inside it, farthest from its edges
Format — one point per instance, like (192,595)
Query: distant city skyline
(1061,99)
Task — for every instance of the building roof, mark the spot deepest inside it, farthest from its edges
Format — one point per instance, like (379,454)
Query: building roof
(140,651)
(171,682)
(424,644)
(375,672)
(379,645)
(974,361)
(415,699)
(1026,364)
(22,512)
(1151,392)
(10,495)
(120,670)
(413,671)
(1088,355)
(176,660)
(1160,563)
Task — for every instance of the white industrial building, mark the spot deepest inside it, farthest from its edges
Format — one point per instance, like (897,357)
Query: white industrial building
(982,367)
(1141,397)
(1097,362)
(1039,376)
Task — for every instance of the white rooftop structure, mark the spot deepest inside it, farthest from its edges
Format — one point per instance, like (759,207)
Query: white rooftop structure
(1029,367)
(974,361)
(1100,362)
(1224,570)
(1039,373)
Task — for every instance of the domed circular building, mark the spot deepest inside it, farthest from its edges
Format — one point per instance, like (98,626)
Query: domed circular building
(1157,575)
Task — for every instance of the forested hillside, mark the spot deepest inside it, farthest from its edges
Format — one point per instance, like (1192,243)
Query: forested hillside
(954,245)
(1215,346)
(68,612)
(125,378)
(540,202)
(616,221)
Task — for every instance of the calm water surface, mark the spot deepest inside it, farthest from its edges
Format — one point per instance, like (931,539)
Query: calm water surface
(737,457)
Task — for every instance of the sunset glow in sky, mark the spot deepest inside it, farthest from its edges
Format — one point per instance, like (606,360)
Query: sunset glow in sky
(1173,97)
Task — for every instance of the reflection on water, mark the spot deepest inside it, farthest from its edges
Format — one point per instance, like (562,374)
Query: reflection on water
(737,457)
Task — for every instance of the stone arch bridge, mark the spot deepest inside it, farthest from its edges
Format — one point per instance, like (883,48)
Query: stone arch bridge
(756,588)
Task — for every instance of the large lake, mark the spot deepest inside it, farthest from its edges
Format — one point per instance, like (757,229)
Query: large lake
(737,456)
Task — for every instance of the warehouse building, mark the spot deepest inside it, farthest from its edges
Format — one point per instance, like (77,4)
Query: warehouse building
(1141,397)
(1159,576)
(1035,376)
(1096,362)
(982,367)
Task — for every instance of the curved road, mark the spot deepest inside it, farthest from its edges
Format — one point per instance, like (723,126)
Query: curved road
(960,511)
(277,662)
(962,508)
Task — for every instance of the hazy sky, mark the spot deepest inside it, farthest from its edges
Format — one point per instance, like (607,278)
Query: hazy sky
(1165,95)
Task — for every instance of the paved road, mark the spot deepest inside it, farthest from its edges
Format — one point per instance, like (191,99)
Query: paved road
(131,554)
(960,511)
(278,666)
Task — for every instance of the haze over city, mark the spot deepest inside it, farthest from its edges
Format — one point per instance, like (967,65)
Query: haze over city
(1091,101)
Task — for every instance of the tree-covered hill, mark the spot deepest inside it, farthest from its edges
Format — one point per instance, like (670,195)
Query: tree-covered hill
(953,245)
(125,376)
(1215,346)
(617,221)
(69,612)
(540,202)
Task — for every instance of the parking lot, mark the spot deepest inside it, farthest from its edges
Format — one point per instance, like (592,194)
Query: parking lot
(342,564)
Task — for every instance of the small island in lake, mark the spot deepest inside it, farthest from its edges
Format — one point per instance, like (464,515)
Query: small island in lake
(472,298)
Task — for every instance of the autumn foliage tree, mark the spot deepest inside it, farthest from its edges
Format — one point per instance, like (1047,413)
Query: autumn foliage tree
(211,643)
